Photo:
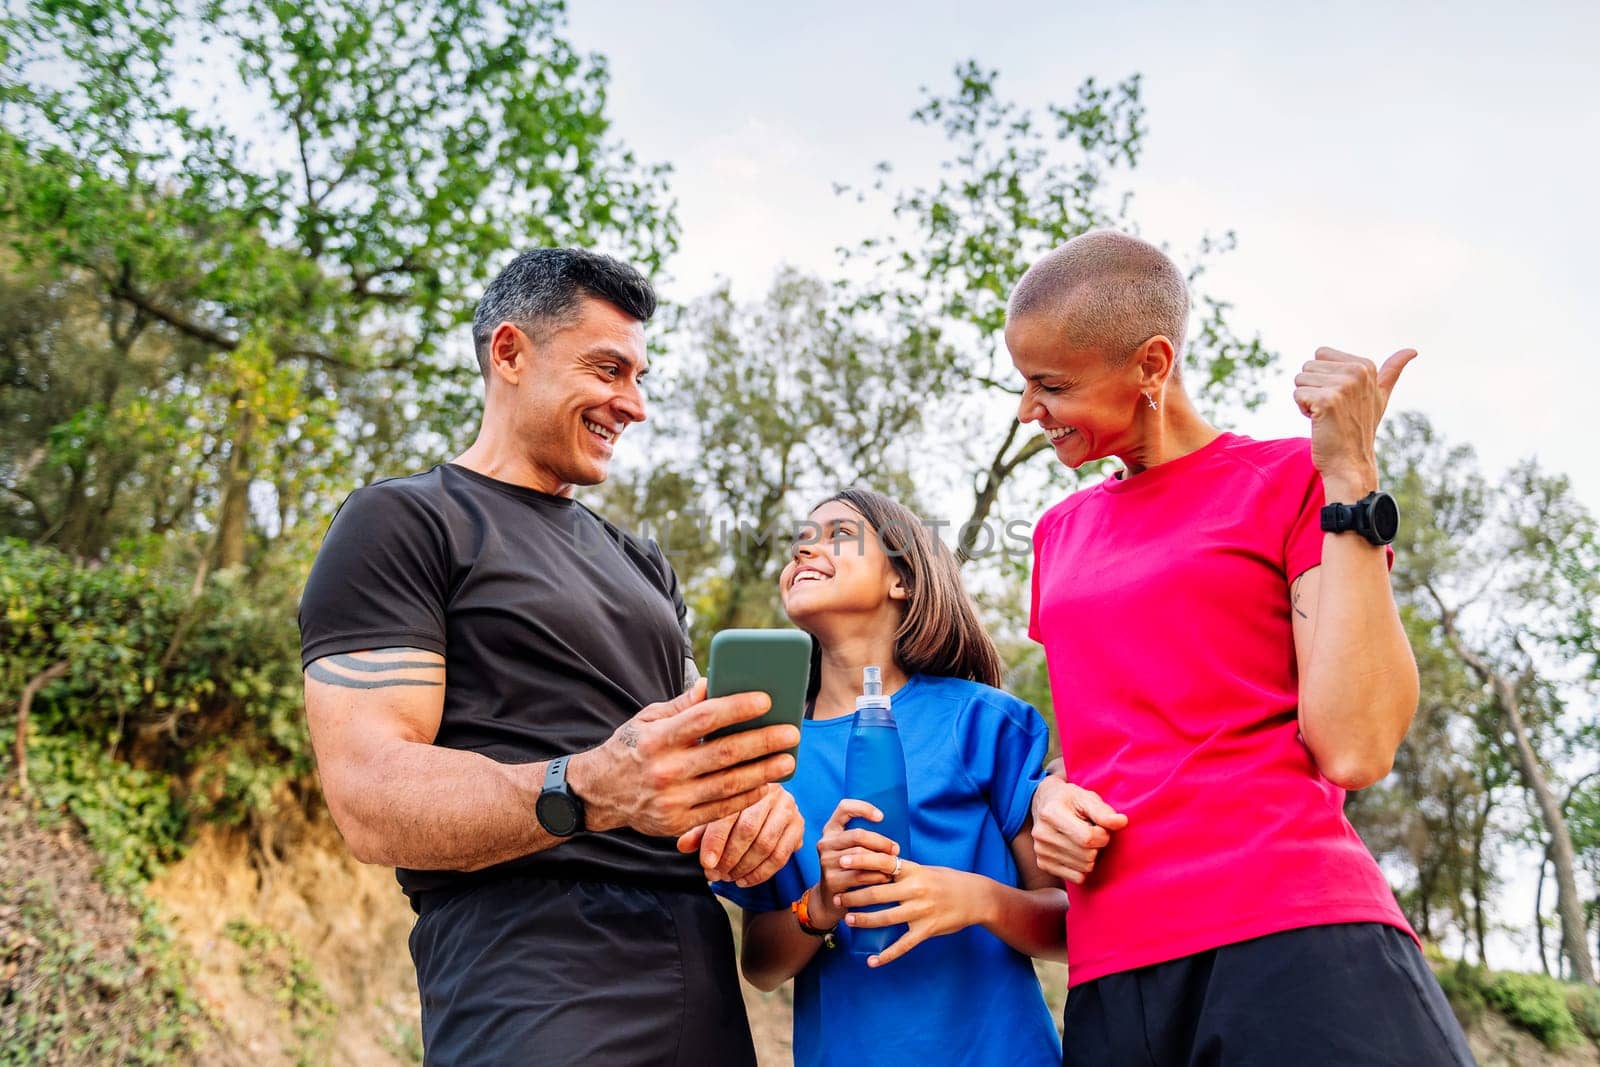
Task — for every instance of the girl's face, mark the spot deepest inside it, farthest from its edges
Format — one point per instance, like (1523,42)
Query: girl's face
(838,568)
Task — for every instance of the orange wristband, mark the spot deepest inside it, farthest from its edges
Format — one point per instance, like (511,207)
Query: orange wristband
(802,915)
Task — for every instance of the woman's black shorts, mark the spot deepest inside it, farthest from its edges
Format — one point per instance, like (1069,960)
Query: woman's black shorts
(1357,994)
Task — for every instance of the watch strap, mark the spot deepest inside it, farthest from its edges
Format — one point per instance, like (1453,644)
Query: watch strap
(1339,518)
(556,792)
(802,917)
(1360,517)
(555,776)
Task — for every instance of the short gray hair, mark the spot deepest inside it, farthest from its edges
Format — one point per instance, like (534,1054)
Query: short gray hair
(540,290)
(1122,292)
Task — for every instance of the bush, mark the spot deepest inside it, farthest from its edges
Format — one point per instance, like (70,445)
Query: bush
(78,996)
(1538,1005)
(1584,1003)
(171,709)
(1466,987)
(132,817)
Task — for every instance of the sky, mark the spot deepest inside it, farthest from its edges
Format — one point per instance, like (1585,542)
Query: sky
(1419,178)
(1396,178)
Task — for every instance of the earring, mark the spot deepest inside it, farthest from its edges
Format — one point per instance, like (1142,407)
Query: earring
(1148,399)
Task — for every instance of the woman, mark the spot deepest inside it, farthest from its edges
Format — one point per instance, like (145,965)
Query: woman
(1225,666)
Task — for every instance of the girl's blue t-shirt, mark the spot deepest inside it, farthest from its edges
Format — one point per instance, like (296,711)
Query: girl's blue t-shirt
(974,755)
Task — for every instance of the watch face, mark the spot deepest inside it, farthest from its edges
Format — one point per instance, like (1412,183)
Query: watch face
(1385,518)
(557,813)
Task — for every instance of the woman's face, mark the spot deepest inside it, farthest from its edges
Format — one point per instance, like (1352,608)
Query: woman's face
(838,567)
(1087,408)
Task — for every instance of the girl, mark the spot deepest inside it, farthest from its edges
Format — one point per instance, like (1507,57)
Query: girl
(874,588)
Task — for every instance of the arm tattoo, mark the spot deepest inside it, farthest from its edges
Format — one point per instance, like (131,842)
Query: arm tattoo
(388,671)
(630,735)
(1294,597)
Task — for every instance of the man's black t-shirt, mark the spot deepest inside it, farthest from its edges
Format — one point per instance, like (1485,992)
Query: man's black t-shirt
(555,626)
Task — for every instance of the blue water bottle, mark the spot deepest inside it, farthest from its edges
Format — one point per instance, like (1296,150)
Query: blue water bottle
(875,771)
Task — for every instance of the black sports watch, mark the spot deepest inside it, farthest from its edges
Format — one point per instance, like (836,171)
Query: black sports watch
(558,811)
(1375,516)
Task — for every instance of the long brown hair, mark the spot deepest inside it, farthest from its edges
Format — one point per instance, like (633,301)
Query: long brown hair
(939,633)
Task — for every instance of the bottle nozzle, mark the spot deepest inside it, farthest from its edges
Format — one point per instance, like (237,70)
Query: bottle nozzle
(871,682)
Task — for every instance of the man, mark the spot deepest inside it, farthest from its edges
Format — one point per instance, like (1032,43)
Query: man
(496,689)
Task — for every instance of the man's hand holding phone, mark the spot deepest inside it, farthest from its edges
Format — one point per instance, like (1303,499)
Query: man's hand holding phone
(655,775)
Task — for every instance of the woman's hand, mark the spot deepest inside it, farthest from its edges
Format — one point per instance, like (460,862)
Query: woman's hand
(1070,827)
(849,858)
(932,901)
(1344,396)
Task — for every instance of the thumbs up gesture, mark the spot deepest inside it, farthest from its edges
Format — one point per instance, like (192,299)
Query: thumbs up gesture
(1344,396)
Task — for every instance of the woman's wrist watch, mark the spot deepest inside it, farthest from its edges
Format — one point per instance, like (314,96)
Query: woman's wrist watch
(1375,516)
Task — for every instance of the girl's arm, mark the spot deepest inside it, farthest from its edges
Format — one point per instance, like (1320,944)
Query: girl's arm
(934,901)
(775,948)
(1037,925)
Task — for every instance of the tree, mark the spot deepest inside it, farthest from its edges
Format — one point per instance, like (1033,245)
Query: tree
(1509,576)
(768,407)
(1436,813)
(280,264)
(1013,187)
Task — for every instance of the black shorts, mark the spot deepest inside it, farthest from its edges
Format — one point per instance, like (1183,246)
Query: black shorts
(534,971)
(1354,994)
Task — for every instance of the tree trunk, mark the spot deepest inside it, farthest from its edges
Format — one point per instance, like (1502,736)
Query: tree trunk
(1569,905)
(1538,912)
(1480,926)
(234,520)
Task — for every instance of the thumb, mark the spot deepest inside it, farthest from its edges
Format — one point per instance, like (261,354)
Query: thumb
(1389,373)
(690,841)
(668,708)
(1099,812)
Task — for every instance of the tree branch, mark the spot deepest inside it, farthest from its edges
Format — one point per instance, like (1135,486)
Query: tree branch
(177,321)
(24,706)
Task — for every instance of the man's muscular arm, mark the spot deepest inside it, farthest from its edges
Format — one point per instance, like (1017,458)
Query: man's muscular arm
(401,801)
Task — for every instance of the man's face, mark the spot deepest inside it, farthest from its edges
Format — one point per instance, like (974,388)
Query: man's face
(577,391)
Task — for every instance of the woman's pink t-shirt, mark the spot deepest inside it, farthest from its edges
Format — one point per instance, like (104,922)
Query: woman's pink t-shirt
(1162,602)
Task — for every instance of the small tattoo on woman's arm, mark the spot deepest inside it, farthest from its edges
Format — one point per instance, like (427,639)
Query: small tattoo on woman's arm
(1294,596)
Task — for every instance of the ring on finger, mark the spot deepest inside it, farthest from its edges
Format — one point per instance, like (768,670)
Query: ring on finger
(894,874)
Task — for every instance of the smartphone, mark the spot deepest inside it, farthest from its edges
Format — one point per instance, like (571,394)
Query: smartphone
(774,662)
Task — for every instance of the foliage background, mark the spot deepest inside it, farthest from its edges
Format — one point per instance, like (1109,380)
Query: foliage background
(220,311)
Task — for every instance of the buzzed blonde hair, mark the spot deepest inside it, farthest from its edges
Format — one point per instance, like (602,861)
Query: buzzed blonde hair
(1107,291)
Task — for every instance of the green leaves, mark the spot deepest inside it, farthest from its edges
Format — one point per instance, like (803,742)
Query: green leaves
(309,198)
(1013,185)
(222,714)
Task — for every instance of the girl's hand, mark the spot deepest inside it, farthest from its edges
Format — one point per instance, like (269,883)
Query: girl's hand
(932,901)
(850,858)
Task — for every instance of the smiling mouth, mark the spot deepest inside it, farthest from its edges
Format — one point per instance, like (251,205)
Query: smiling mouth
(808,576)
(600,431)
(1059,435)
